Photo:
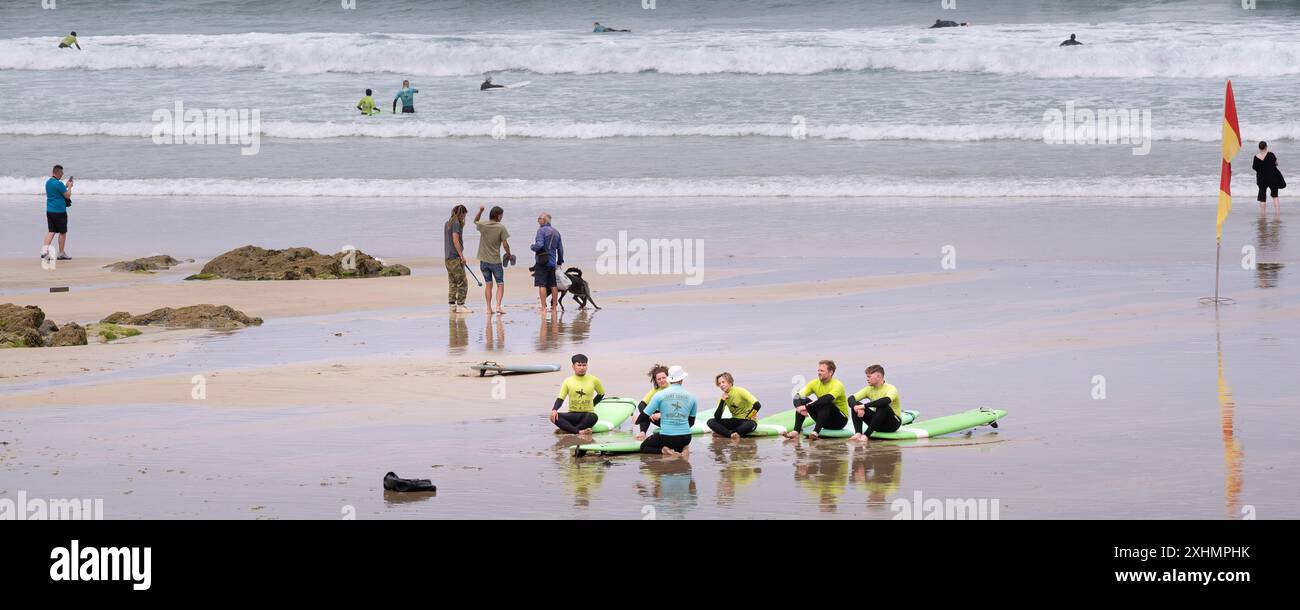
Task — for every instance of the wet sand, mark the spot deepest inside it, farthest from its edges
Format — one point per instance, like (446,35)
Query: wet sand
(347,380)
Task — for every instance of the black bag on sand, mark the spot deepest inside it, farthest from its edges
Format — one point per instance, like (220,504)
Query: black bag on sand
(392,482)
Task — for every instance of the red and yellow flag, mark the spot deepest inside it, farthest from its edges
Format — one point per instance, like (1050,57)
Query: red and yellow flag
(1231,144)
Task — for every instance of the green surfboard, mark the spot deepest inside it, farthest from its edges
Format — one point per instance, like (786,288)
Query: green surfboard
(932,427)
(772,425)
(612,412)
(847,430)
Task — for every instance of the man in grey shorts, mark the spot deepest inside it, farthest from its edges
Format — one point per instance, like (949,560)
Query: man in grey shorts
(492,236)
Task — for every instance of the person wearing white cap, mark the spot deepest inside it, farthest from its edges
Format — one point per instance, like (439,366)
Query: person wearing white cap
(674,410)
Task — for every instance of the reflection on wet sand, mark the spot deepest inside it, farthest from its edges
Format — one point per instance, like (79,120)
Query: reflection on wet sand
(553,330)
(1232,453)
(457,334)
(494,334)
(822,468)
(879,468)
(671,489)
(407,497)
(1268,254)
(583,477)
(735,460)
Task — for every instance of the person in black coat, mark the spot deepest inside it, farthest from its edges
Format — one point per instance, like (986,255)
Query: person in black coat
(1268,177)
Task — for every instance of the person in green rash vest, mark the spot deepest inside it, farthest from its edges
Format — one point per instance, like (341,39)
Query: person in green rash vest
(659,382)
(70,41)
(742,405)
(829,410)
(584,393)
(407,95)
(877,405)
(367,104)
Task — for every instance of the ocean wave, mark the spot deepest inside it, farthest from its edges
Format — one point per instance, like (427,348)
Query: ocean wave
(1114,51)
(404,127)
(1198,188)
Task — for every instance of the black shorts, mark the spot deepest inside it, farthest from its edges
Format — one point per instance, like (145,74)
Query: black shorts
(543,276)
(57,222)
(408,109)
(1262,189)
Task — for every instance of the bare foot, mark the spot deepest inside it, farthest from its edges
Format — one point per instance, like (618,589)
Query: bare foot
(735,435)
(686,453)
(584,432)
(812,436)
(858,437)
(791,435)
(640,436)
(668,452)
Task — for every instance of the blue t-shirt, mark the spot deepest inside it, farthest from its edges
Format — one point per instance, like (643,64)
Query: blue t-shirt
(54,201)
(677,406)
(407,96)
(600,28)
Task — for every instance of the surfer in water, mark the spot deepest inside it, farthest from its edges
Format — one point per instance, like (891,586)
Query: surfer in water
(70,41)
(1071,42)
(600,29)
(407,95)
(940,23)
(487,84)
(367,104)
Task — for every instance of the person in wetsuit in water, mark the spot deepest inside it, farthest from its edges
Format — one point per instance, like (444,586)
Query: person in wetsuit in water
(939,23)
(487,84)
(1071,42)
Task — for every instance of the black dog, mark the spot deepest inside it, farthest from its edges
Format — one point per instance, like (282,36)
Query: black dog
(579,288)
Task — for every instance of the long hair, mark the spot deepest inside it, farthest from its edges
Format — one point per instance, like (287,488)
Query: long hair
(458,210)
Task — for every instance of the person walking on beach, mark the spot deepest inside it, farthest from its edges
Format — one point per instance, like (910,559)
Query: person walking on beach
(550,256)
(58,197)
(877,405)
(584,392)
(70,41)
(453,239)
(742,405)
(492,236)
(407,95)
(829,410)
(674,410)
(1268,177)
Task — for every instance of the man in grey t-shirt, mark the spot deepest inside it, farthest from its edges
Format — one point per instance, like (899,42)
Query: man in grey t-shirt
(453,241)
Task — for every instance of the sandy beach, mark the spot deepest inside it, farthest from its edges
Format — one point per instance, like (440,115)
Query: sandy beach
(347,378)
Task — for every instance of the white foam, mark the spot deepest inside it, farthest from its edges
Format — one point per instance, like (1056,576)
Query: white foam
(1113,50)
(1193,188)
(412,128)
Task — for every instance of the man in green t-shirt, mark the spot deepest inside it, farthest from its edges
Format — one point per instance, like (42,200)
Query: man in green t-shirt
(492,236)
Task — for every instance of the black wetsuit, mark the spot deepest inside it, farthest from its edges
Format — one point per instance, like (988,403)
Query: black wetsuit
(945,24)
(487,85)
(656,442)
(879,417)
(730,425)
(822,411)
(1267,176)
(576,422)
(1071,43)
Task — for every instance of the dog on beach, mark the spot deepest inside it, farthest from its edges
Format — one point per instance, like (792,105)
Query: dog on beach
(578,287)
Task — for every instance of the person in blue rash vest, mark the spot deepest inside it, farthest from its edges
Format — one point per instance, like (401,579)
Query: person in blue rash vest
(407,95)
(674,410)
